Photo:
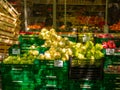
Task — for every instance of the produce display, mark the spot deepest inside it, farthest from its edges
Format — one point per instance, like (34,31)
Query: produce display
(115,27)
(27,58)
(88,50)
(109,44)
(91,20)
(60,48)
(87,54)
(35,27)
(89,28)
(68,48)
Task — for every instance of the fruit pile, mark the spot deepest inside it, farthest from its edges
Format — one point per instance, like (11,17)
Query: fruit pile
(104,35)
(35,26)
(109,44)
(26,58)
(60,48)
(91,20)
(115,27)
(88,50)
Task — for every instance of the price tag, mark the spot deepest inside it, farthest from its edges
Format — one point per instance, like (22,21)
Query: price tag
(85,38)
(15,51)
(58,63)
(110,51)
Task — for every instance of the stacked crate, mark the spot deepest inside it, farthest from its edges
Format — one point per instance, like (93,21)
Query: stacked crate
(9,26)
(51,75)
(111,61)
(48,74)
(42,75)
(17,77)
(26,41)
(85,76)
(112,72)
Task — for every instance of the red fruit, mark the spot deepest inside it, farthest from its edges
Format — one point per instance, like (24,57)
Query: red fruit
(111,36)
(111,44)
(102,36)
(105,45)
(114,46)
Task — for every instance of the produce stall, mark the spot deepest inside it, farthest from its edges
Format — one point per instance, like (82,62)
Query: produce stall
(80,57)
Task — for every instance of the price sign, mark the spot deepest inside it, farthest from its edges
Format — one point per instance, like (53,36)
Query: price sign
(58,63)
(15,51)
(110,51)
(85,38)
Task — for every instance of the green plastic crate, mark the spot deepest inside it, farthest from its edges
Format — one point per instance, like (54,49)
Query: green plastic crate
(51,64)
(22,87)
(71,38)
(100,40)
(85,85)
(6,68)
(30,39)
(111,81)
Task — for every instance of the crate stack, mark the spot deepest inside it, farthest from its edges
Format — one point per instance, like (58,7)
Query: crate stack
(41,75)
(9,26)
(84,75)
(17,77)
(51,75)
(20,76)
(111,43)
(48,74)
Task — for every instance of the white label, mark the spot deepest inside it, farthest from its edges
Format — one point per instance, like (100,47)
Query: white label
(85,38)
(110,51)
(51,76)
(17,81)
(85,86)
(58,63)
(15,51)
(48,85)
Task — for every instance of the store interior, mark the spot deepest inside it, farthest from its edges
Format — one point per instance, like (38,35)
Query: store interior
(59,44)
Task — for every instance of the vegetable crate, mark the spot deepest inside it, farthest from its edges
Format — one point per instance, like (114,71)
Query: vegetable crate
(19,86)
(85,85)
(56,79)
(71,38)
(43,64)
(51,75)
(86,70)
(102,37)
(100,40)
(20,77)
(111,81)
(112,64)
(30,39)
(26,47)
